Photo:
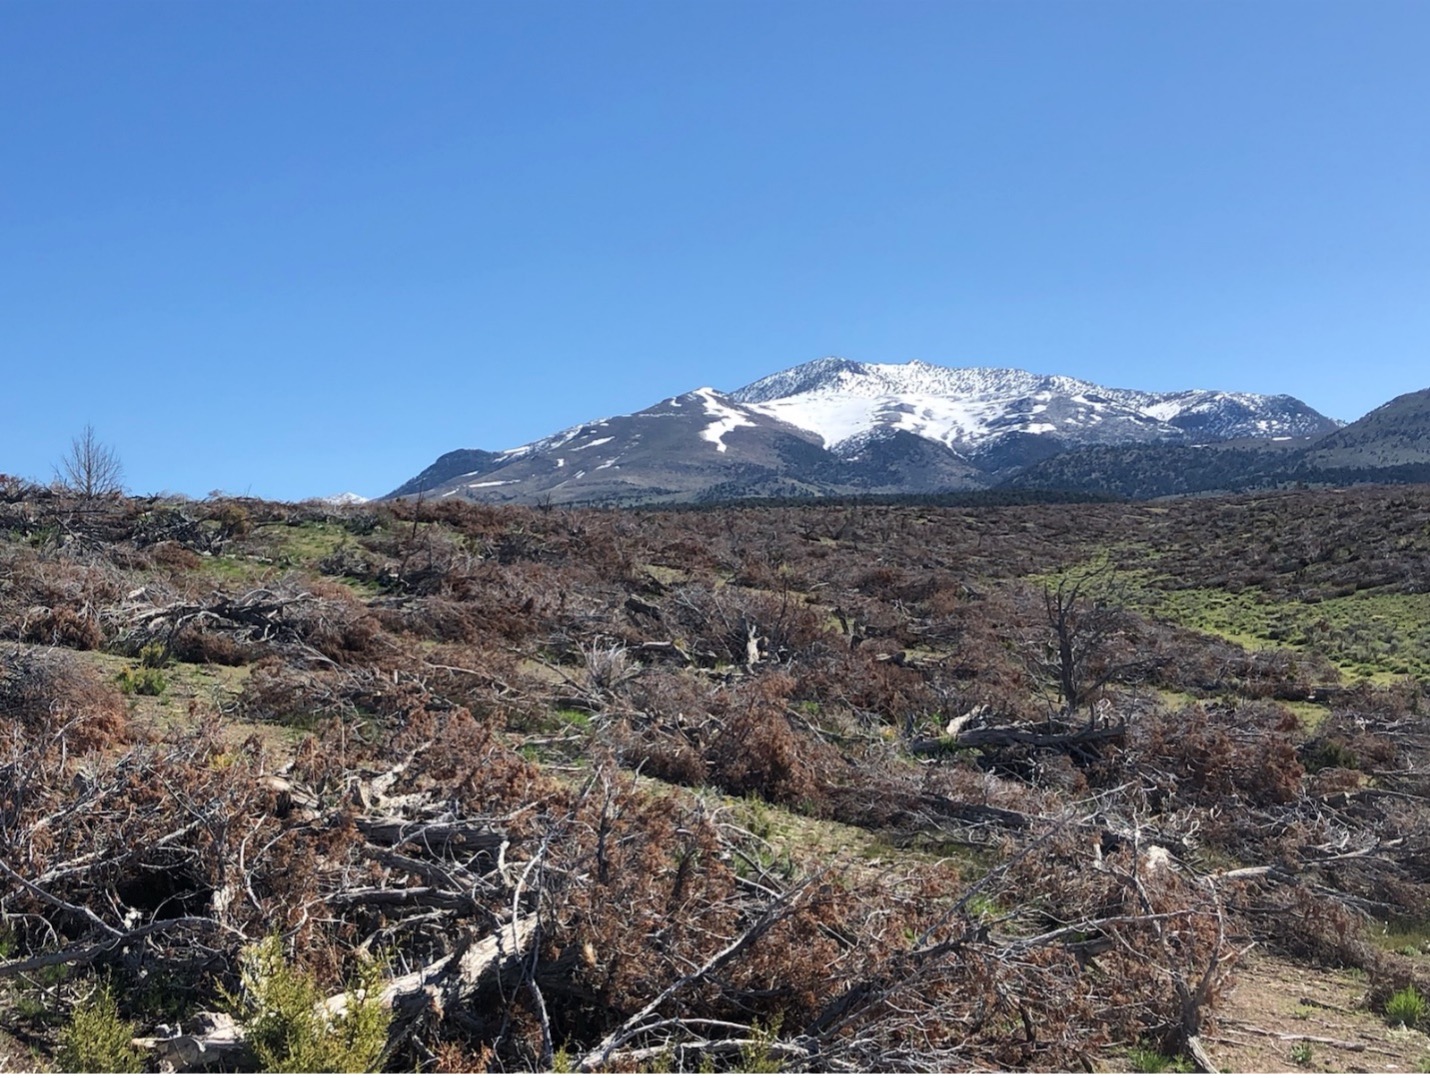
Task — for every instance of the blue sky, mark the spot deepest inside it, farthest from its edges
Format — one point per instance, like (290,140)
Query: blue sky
(293,248)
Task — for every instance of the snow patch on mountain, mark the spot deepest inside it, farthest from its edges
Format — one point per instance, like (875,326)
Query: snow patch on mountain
(966,408)
(726,418)
(845,377)
(837,425)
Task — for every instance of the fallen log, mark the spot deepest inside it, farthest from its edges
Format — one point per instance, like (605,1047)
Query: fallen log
(1311,1001)
(113,940)
(394,831)
(1365,906)
(215,1037)
(260,611)
(1005,737)
(967,812)
(442,877)
(1199,1055)
(661,649)
(451,977)
(764,1051)
(397,896)
(1346,1046)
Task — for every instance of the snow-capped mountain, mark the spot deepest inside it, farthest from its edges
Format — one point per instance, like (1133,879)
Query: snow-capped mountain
(971,409)
(835,426)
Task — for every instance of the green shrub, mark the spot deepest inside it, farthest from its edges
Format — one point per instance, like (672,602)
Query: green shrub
(1406,1007)
(234,521)
(96,1039)
(1144,1060)
(1320,755)
(278,1005)
(755,1057)
(153,657)
(145,681)
(1302,1054)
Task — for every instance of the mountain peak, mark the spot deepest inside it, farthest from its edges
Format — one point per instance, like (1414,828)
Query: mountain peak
(916,377)
(970,408)
(837,425)
(817,374)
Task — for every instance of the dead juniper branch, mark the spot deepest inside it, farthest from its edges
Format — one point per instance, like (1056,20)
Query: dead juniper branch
(1193,965)
(633,1026)
(692,1052)
(259,615)
(112,940)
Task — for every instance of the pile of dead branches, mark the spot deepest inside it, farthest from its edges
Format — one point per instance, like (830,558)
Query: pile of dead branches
(519,917)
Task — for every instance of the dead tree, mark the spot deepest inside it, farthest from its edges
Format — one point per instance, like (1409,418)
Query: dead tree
(1081,646)
(91,469)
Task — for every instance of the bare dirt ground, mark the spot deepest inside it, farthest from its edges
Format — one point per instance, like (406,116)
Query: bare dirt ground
(1282,1017)
(15,1058)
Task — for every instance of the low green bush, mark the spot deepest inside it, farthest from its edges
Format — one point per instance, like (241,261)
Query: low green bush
(153,657)
(1406,1007)
(144,681)
(96,1039)
(1144,1060)
(279,1006)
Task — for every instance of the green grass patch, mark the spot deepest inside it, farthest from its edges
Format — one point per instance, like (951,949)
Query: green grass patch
(1407,937)
(1367,636)
(199,684)
(1378,637)
(362,589)
(1144,1060)
(303,545)
(1311,715)
(229,569)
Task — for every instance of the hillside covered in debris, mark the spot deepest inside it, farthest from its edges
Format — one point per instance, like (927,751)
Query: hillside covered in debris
(454,787)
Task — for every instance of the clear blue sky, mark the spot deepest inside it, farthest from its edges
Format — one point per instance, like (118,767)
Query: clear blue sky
(293,248)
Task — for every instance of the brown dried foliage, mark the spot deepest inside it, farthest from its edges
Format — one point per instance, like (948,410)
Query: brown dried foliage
(518,665)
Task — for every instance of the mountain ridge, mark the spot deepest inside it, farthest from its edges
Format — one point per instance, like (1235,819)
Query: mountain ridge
(1390,444)
(967,407)
(836,426)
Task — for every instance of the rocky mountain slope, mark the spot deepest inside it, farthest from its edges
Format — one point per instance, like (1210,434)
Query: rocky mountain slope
(834,426)
(978,410)
(1388,445)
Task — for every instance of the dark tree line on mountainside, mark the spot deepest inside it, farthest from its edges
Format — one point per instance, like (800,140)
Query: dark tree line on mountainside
(1160,471)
